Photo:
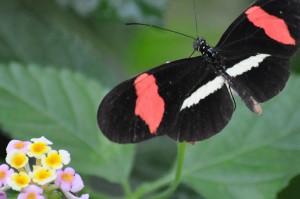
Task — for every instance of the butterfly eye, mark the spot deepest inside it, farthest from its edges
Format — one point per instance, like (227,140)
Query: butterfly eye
(196,45)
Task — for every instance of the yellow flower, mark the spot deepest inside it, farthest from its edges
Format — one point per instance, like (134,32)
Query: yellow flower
(16,159)
(56,159)
(18,181)
(42,175)
(39,147)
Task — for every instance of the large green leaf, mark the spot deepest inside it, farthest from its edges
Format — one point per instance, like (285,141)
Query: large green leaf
(61,106)
(42,33)
(125,10)
(255,156)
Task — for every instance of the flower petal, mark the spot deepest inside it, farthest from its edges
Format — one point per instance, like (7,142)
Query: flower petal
(84,196)
(42,175)
(16,159)
(5,173)
(18,181)
(65,156)
(17,145)
(42,139)
(2,195)
(77,184)
(32,191)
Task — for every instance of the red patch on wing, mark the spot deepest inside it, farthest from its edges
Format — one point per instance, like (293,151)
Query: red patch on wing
(150,106)
(273,26)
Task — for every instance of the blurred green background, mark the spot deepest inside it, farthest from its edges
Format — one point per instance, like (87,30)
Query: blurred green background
(59,57)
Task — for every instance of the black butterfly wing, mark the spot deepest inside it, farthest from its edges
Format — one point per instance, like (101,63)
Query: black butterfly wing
(265,81)
(267,26)
(150,104)
(205,117)
(270,28)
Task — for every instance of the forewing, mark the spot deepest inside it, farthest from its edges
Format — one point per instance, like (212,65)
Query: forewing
(157,102)
(267,28)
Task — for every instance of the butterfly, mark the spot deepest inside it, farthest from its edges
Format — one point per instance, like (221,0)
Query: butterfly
(190,99)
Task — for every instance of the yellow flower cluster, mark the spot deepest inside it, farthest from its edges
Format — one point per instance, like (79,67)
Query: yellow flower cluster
(45,175)
(47,162)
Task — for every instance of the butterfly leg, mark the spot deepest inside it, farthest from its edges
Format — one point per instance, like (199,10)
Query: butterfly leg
(232,97)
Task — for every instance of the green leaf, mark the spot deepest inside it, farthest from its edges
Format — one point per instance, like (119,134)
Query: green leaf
(255,156)
(146,11)
(42,33)
(83,8)
(61,106)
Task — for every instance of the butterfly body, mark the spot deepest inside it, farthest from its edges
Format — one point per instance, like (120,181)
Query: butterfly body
(189,99)
(214,61)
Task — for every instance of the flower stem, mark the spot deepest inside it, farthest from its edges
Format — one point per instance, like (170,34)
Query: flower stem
(176,181)
(126,187)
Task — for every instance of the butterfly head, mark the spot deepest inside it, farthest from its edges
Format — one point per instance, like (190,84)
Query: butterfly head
(199,43)
(207,51)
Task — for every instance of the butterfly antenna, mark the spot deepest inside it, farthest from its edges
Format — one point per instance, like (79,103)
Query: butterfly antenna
(192,54)
(196,19)
(153,26)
